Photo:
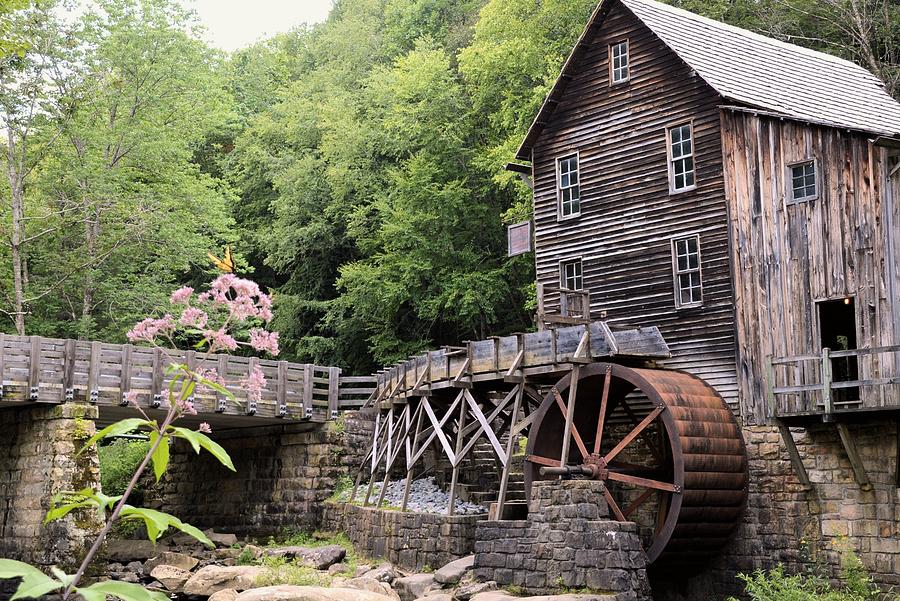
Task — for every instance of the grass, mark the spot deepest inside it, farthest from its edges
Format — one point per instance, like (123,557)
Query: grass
(281,571)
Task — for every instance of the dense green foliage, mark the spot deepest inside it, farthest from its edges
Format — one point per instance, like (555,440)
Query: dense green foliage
(118,462)
(776,585)
(357,166)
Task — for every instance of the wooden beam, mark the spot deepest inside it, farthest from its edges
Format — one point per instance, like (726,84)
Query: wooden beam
(34,368)
(793,453)
(859,470)
(125,377)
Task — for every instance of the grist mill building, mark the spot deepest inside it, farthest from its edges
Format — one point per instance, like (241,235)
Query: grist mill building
(740,193)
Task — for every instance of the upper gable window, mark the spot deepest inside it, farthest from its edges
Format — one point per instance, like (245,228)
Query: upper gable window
(567,186)
(619,68)
(804,184)
(681,158)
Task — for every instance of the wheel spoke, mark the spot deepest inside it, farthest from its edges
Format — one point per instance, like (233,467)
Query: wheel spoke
(613,505)
(638,502)
(602,417)
(574,431)
(634,433)
(542,460)
(642,482)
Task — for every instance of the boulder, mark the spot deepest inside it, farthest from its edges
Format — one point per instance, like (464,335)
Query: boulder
(504,596)
(210,579)
(227,553)
(453,571)
(338,568)
(125,577)
(135,567)
(169,558)
(320,558)
(226,594)
(125,551)
(171,577)
(467,591)
(308,593)
(383,573)
(412,587)
(370,584)
(220,539)
(438,596)
(255,552)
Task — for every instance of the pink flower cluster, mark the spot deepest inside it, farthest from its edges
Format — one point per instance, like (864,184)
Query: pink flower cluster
(220,340)
(182,296)
(240,297)
(192,317)
(208,374)
(254,384)
(150,329)
(264,341)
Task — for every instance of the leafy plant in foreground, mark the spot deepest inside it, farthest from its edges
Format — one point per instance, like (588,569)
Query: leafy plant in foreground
(232,307)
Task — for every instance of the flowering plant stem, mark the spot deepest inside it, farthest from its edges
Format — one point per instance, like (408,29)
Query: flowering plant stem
(95,548)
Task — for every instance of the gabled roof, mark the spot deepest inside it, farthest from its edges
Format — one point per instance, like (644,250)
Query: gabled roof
(751,70)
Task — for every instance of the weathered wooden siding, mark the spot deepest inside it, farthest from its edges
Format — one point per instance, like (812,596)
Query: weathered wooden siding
(787,256)
(628,217)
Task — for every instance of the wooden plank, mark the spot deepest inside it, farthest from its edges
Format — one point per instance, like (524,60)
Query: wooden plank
(69,354)
(222,371)
(156,379)
(307,404)
(859,470)
(281,389)
(793,453)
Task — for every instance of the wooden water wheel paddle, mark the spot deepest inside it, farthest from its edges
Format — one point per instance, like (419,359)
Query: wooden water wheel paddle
(665,444)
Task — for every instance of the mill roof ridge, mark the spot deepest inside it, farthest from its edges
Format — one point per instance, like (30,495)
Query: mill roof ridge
(750,69)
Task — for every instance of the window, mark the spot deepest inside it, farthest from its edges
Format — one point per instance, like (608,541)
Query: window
(570,275)
(568,191)
(686,268)
(803,181)
(681,158)
(618,62)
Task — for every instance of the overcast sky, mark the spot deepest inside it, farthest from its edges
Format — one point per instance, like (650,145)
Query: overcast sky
(233,24)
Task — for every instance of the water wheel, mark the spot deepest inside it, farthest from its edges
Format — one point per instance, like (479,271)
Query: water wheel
(664,442)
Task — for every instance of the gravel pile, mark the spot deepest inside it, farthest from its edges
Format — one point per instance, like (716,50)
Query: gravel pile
(424,497)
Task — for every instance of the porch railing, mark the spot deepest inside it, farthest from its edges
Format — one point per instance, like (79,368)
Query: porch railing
(806,384)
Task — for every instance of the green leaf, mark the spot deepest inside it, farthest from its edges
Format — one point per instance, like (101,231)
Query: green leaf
(65,502)
(157,522)
(122,590)
(34,582)
(215,386)
(160,456)
(198,440)
(117,429)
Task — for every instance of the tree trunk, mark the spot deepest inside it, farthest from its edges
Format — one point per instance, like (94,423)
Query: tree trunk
(17,186)
(91,235)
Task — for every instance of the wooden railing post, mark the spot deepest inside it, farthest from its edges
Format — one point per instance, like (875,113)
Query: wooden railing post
(125,375)
(334,383)
(307,405)
(826,385)
(156,379)
(770,388)
(251,402)
(281,390)
(34,368)
(94,373)
(69,352)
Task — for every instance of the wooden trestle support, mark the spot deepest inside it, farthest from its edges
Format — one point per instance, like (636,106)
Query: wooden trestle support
(664,442)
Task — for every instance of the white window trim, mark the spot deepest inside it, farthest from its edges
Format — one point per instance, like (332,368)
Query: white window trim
(670,168)
(558,176)
(675,272)
(562,273)
(789,181)
(612,80)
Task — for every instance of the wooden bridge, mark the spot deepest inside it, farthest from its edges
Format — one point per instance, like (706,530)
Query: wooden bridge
(34,369)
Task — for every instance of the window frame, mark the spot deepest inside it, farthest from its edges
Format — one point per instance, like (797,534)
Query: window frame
(559,190)
(789,181)
(676,272)
(670,160)
(612,70)
(562,274)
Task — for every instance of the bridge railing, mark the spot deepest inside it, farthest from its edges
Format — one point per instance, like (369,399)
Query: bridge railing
(51,370)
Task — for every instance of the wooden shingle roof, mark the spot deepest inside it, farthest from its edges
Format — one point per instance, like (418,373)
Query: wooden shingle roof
(750,70)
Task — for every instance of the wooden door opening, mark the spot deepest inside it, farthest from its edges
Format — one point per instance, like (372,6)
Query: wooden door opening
(837,331)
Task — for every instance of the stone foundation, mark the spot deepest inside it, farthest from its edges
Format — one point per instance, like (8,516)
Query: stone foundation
(284,474)
(414,541)
(807,529)
(568,541)
(37,460)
